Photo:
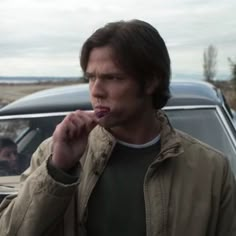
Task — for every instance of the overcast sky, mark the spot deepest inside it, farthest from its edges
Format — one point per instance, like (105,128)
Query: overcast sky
(44,37)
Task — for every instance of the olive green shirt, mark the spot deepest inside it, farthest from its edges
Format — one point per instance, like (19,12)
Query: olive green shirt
(116,206)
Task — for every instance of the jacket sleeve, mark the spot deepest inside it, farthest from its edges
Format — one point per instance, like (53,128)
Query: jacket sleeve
(40,203)
(226,225)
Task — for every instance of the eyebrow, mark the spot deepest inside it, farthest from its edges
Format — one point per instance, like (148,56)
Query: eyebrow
(104,75)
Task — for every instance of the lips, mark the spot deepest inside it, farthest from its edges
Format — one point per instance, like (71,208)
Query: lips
(101,111)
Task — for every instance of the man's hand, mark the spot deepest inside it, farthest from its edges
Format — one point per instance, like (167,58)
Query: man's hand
(70,138)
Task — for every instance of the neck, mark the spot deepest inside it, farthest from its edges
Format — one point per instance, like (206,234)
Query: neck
(138,131)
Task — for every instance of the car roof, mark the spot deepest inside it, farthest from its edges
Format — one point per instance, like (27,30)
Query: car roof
(72,97)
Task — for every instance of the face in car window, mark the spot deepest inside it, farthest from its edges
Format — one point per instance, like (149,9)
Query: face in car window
(27,133)
(8,157)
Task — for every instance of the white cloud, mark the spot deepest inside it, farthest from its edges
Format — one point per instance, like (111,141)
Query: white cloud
(45,36)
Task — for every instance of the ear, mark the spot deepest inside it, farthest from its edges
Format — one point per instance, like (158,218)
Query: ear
(151,85)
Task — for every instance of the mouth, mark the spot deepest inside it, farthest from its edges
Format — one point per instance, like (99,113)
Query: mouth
(101,111)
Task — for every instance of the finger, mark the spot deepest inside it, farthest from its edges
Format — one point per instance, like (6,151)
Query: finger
(79,125)
(76,124)
(66,127)
(90,114)
(66,130)
(71,131)
(85,118)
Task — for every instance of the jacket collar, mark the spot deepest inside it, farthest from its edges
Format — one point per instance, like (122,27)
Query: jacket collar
(170,139)
(102,142)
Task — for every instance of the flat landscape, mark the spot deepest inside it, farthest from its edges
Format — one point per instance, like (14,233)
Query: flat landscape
(11,92)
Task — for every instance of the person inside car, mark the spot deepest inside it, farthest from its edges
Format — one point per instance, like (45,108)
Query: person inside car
(122,169)
(8,157)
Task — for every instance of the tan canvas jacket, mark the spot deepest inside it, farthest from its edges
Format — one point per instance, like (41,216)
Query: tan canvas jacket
(188,190)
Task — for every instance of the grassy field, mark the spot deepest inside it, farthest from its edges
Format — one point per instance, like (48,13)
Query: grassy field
(229,90)
(11,92)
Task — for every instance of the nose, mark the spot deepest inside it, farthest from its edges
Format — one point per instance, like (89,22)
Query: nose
(96,87)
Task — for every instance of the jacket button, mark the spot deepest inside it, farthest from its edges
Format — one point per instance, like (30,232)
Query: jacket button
(104,155)
(176,150)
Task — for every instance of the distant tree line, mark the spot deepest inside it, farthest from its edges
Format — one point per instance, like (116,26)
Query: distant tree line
(210,64)
(233,69)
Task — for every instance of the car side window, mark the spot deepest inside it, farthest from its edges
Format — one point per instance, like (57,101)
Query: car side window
(10,131)
(28,133)
(205,125)
(13,128)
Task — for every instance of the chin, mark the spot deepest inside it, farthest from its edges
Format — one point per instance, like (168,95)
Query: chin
(107,123)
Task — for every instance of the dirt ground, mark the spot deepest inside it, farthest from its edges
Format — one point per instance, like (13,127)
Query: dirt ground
(11,92)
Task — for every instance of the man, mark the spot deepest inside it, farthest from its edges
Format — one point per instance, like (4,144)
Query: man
(122,169)
(8,157)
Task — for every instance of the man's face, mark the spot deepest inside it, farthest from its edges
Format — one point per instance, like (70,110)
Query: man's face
(113,92)
(9,154)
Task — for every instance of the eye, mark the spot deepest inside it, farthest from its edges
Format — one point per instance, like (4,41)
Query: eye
(112,77)
(90,77)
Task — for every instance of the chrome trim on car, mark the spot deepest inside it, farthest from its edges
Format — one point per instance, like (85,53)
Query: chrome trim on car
(3,117)
(37,115)
(189,107)
(230,133)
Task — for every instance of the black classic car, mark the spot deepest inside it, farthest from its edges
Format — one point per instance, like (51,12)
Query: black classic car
(195,107)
